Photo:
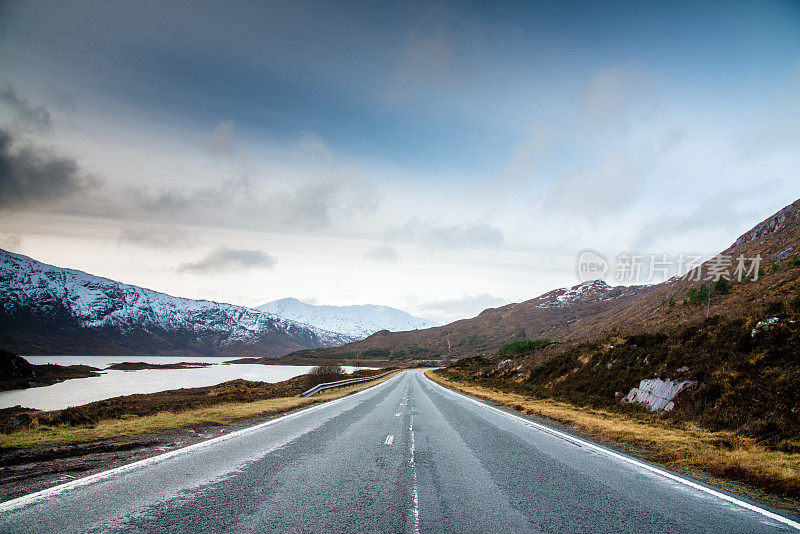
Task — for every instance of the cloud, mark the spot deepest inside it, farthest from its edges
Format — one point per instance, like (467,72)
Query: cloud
(610,94)
(321,203)
(229,259)
(242,201)
(26,116)
(444,52)
(715,211)
(605,189)
(460,308)
(311,142)
(526,155)
(9,241)
(382,253)
(155,237)
(220,143)
(31,175)
(434,235)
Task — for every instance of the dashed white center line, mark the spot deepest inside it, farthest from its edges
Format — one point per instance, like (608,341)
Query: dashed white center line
(414,486)
(389,439)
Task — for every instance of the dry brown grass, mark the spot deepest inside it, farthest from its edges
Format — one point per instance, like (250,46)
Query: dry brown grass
(686,446)
(221,414)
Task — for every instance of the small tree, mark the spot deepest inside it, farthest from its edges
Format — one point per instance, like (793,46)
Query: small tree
(698,295)
(721,286)
(327,372)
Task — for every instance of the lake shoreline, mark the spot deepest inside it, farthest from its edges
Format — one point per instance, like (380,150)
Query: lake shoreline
(26,469)
(129,375)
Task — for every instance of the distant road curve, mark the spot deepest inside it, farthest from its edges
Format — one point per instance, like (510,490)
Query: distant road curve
(404,456)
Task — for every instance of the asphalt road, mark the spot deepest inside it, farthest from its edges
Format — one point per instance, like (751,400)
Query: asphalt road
(403,456)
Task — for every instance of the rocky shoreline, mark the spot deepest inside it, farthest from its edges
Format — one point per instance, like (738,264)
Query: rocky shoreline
(17,373)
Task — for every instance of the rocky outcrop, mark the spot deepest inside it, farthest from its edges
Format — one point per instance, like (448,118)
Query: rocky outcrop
(788,216)
(657,394)
(765,326)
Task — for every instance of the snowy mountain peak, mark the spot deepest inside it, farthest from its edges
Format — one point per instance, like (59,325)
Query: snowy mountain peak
(357,321)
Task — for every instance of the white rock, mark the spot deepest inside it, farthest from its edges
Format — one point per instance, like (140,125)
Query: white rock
(657,394)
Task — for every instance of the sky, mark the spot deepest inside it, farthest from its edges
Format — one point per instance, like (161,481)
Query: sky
(441,158)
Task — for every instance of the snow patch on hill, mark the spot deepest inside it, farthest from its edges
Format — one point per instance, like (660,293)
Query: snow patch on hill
(585,292)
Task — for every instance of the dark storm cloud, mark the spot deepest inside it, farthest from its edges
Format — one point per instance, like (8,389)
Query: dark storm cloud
(229,259)
(31,175)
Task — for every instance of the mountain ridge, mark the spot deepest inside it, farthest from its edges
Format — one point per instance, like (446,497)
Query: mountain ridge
(357,321)
(46,309)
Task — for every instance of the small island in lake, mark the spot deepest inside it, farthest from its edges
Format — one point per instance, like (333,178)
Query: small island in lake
(138,366)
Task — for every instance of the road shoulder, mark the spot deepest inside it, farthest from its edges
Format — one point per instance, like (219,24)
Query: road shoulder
(640,439)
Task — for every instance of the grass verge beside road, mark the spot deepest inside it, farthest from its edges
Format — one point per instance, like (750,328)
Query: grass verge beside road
(130,424)
(685,447)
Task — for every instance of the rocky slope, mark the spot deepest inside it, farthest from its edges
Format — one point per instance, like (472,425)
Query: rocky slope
(356,322)
(51,310)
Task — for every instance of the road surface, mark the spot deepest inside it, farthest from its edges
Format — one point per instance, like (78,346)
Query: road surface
(404,456)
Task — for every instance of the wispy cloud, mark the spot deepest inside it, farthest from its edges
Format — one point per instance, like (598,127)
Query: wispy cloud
(432,234)
(460,308)
(611,94)
(312,143)
(155,237)
(382,253)
(10,241)
(221,141)
(716,211)
(225,259)
(603,189)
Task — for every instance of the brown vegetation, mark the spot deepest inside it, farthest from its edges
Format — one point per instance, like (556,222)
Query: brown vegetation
(682,445)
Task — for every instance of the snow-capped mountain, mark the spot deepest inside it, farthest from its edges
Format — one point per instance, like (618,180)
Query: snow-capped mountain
(356,322)
(47,309)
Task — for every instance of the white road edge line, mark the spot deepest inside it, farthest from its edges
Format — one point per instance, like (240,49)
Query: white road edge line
(652,469)
(31,498)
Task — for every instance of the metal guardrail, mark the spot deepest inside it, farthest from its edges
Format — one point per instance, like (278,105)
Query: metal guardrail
(339,383)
